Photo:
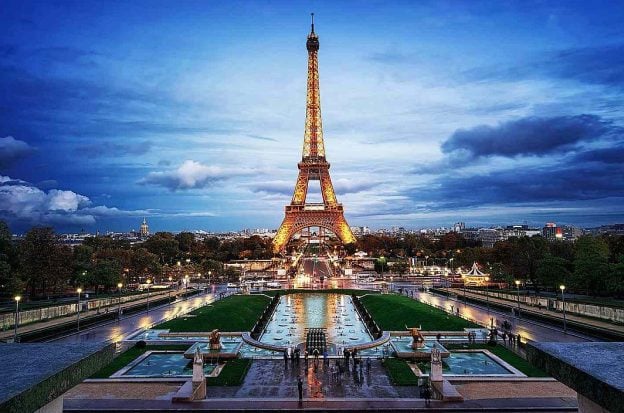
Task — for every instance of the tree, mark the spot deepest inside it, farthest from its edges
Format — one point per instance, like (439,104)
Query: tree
(553,271)
(164,245)
(36,252)
(591,265)
(400,267)
(186,240)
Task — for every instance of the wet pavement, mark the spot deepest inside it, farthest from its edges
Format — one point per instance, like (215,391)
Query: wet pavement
(118,330)
(272,379)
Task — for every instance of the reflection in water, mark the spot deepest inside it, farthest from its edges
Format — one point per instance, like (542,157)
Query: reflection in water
(333,312)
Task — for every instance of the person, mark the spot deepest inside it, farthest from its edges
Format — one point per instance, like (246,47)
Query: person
(518,338)
(438,337)
(368,365)
(315,352)
(325,359)
(505,338)
(300,388)
(427,395)
(286,357)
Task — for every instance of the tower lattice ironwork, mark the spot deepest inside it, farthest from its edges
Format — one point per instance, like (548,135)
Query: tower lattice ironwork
(313,167)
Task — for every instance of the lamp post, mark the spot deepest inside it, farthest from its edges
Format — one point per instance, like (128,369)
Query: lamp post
(79,290)
(209,277)
(148,281)
(17,300)
(565,329)
(198,280)
(170,289)
(464,285)
(518,291)
(186,281)
(487,293)
(119,285)
(381,261)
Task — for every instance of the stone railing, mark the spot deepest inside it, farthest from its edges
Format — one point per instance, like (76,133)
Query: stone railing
(7,320)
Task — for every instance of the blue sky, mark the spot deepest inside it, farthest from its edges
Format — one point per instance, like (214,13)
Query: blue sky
(191,113)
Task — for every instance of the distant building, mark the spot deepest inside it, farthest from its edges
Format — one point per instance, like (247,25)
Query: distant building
(459,227)
(144,231)
(551,232)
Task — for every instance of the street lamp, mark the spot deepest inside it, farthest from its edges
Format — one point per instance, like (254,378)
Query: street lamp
(518,291)
(487,293)
(186,281)
(464,285)
(170,289)
(17,300)
(79,290)
(148,281)
(119,285)
(565,329)
(381,260)
(209,275)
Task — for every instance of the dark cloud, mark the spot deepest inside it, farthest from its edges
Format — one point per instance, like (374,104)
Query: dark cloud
(574,182)
(104,149)
(614,155)
(528,136)
(12,149)
(602,65)
(262,138)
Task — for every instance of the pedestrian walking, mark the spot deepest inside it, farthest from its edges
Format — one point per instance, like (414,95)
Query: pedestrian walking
(427,395)
(300,388)
(285,357)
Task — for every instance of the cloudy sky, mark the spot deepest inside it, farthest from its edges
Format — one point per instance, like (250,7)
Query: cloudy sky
(191,113)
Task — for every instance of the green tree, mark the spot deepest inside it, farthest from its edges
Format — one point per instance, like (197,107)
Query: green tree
(36,253)
(591,265)
(553,271)
(164,245)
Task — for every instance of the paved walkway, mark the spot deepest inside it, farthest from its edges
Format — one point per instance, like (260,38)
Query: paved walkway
(528,329)
(115,331)
(524,308)
(272,379)
(40,325)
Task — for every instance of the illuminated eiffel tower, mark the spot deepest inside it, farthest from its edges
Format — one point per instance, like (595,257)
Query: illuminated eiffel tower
(313,167)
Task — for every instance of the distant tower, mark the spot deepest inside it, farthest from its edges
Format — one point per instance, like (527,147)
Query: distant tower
(144,231)
(313,167)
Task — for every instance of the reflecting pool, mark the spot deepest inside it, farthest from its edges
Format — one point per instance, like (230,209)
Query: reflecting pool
(333,312)
(165,365)
(469,363)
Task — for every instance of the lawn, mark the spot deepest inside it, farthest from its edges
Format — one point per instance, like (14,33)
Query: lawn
(506,355)
(234,313)
(131,354)
(400,373)
(232,374)
(395,312)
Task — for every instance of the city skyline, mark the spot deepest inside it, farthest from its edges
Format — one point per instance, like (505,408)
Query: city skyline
(433,112)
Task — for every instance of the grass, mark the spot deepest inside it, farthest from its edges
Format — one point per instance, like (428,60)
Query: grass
(394,312)
(506,355)
(400,373)
(232,374)
(347,291)
(234,313)
(129,355)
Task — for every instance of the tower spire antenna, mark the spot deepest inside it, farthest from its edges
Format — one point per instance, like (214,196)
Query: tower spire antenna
(312,14)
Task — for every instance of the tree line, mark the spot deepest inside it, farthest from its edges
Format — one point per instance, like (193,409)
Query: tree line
(592,265)
(39,266)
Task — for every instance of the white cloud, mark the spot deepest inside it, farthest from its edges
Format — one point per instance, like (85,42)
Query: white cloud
(24,202)
(192,174)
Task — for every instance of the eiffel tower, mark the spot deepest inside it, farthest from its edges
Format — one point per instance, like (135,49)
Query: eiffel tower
(313,167)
